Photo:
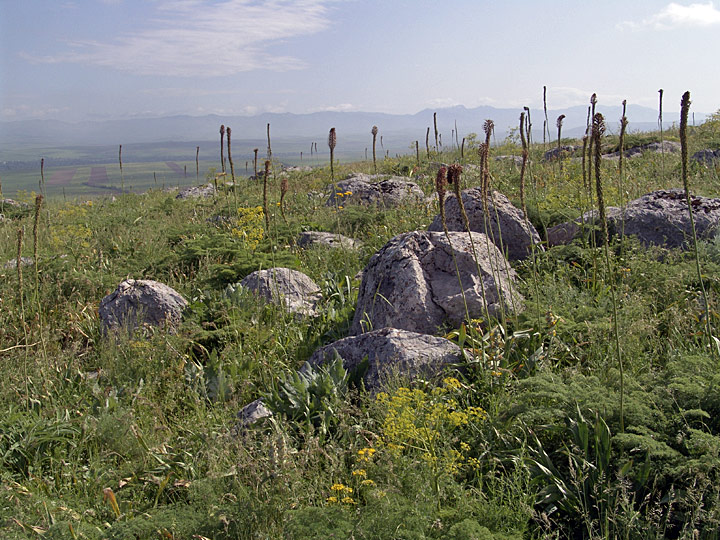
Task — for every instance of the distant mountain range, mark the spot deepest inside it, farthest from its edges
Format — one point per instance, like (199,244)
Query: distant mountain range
(399,131)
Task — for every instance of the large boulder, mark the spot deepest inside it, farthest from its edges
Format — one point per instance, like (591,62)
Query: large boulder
(390,352)
(666,147)
(197,192)
(661,218)
(333,240)
(658,218)
(413,283)
(560,152)
(706,157)
(289,288)
(138,302)
(374,190)
(506,222)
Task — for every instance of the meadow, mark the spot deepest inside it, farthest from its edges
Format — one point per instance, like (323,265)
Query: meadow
(541,433)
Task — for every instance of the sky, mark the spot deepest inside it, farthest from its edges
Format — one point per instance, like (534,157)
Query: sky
(108,59)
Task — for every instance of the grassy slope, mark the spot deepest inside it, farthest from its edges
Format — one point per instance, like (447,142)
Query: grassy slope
(149,417)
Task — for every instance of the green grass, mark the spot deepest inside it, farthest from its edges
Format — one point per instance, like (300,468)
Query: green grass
(151,417)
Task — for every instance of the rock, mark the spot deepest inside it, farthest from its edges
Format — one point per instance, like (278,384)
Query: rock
(506,222)
(251,413)
(290,288)
(559,153)
(361,189)
(517,160)
(658,218)
(564,233)
(411,283)
(13,203)
(311,238)
(24,261)
(2,218)
(197,192)
(137,302)
(661,218)
(668,147)
(707,157)
(389,352)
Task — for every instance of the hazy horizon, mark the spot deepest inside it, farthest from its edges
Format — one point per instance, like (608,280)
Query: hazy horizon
(113,59)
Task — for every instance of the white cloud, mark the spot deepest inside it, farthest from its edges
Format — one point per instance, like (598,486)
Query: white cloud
(676,15)
(341,107)
(201,38)
(27,111)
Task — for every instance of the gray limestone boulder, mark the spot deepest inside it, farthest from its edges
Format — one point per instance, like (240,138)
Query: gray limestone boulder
(560,153)
(412,283)
(506,222)
(24,261)
(316,238)
(707,157)
(289,288)
(666,147)
(197,192)
(138,302)
(374,190)
(251,413)
(659,218)
(391,352)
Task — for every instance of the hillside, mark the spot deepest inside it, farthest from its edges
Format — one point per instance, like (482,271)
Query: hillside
(577,402)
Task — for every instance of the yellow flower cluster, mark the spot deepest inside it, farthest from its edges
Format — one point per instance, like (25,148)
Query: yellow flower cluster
(249,226)
(71,230)
(428,422)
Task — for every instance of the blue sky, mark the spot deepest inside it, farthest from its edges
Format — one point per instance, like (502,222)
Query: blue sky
(98,59)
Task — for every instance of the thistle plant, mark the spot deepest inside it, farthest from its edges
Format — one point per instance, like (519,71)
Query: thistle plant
(122,178)
(684,109)
(332,142)
(255,152)
(417,152)
(265,199)
(283,192)
(197,164)
(528,126)
(621,187)
(222,147)
(547,124)
(36,223)
(374,132)
(524,143)
(232,167)
(559,124)
(269,148)
(660,125)
(427,142)
(42,175)
(437,144)
(598,129)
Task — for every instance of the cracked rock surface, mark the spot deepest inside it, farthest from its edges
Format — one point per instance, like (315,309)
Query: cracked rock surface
(658,218)
(506,222)
(412,283)
(290,288)
(141,301)
(197,192)
(369,190)
(390,352)
(333,240)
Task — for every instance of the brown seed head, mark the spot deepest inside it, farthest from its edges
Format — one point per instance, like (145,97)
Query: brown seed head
(441,182)
(222,129)
(560,119)
(488,126)
(374,131)
(453,173)
(332,139)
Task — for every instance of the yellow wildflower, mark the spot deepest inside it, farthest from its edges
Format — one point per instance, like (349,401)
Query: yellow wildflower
(359,472)
(348,500)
